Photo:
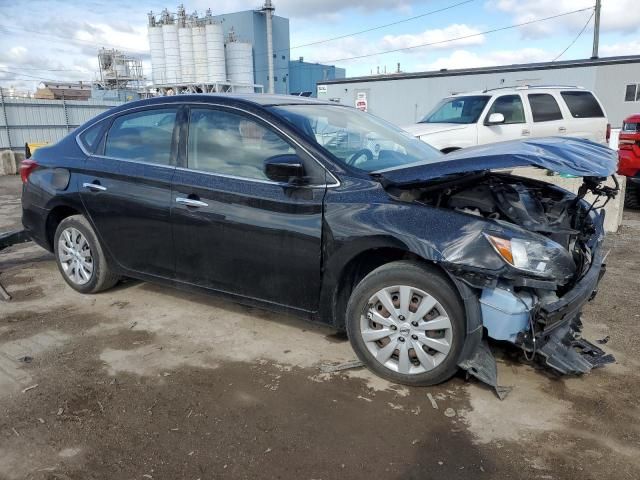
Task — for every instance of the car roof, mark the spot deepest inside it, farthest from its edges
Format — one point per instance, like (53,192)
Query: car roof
(524,88)
(261,99)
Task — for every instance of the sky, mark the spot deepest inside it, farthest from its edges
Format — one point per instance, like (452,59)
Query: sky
(58,40)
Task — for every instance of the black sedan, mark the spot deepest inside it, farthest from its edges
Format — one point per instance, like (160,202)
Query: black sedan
(333,214)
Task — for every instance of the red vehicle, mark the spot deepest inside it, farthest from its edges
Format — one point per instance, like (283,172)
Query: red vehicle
(629,159)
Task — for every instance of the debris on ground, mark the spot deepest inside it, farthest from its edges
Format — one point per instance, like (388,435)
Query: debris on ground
(30,388)
(327,368)
(604,340)
(25,359)
(433,401)
(450,412)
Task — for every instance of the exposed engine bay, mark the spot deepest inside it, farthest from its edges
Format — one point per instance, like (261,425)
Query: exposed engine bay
(528,299)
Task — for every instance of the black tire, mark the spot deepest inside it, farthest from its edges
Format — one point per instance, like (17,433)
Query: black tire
(632,196)
(426,279)
(102,276)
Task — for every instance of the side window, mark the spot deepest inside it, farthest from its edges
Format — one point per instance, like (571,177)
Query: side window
(544,107)
(143,136)
(91,137)
(632,93)
(510,106)
(582,104)
(231,144)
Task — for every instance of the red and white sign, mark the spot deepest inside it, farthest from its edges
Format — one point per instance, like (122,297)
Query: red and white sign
(361,101)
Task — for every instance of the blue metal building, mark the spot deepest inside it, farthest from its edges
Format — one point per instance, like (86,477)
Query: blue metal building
(304,76)
(250,26)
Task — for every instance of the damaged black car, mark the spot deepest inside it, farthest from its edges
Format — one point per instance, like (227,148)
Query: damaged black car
(330,213)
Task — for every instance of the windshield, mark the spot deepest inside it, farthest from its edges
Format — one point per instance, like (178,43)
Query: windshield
(357,138)
(457,110)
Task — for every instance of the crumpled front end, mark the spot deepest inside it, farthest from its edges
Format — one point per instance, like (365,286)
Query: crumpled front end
(532,254)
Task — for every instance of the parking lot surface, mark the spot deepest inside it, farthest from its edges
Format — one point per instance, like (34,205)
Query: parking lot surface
(145,381)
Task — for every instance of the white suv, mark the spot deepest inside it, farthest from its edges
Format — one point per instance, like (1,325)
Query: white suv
(476,118)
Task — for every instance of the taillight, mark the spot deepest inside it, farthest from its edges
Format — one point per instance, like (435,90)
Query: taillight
(26,168)
(608,134)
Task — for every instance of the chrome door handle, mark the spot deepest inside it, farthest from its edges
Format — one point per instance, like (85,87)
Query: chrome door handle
(94,186)
(189,202)
(562,129)
(526,131)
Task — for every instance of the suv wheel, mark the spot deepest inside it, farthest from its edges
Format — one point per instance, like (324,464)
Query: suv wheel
(406,323)
(80,256)
(632,196)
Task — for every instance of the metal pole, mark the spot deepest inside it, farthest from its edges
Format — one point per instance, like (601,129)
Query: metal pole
(5,118)
(268,11)
(596,29)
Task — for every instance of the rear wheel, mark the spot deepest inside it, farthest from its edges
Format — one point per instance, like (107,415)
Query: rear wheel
(406,323)
(80,256)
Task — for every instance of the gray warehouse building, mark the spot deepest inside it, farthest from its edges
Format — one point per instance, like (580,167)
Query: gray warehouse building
(405,98)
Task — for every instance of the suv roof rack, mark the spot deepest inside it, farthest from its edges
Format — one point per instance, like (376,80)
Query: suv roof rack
(526,87)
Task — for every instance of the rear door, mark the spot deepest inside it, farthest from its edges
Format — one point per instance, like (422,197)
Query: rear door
(547,117)
(586,116)
(515,121)
(126,189)
(234,229)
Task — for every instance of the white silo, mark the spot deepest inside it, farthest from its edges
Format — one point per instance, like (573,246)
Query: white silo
(156,45)
(216,71)
(187,67)
(239,57)
(199,39)
(171,52)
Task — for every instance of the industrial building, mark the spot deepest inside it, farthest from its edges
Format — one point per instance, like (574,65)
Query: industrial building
(121,78)
(304,76)
(245,51)
(405,98)
(63,91)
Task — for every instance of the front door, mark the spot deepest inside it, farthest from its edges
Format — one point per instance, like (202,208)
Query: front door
(514,125)
(234,229)
(126,190)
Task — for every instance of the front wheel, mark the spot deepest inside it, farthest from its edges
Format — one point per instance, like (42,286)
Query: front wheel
(406,322)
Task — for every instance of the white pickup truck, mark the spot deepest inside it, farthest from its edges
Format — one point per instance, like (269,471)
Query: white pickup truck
(488,116)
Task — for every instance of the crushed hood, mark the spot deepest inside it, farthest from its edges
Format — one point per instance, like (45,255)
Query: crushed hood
(572,156)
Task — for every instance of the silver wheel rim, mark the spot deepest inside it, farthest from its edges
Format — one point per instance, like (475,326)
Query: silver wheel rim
(75,256)
(406,329)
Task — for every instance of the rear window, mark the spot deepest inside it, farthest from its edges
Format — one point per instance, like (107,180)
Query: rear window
(143,136)
(632,127)
(582,104)
(544,107)
(91,137)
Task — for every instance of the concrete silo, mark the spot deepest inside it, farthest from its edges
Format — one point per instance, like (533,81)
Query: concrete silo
(156,45)
(171,49)
(239,56)
(216,69)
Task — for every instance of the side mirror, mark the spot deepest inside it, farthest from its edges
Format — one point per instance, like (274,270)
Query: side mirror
(495,119)
(284,169)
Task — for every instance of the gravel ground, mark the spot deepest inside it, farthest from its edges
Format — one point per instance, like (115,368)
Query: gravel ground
(148,382)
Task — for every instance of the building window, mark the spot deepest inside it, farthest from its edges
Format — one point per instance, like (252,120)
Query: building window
(632,93)
(275,78)
(274,55)
(283,57)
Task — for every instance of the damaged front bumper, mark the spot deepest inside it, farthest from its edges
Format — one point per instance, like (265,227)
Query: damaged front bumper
(546,331)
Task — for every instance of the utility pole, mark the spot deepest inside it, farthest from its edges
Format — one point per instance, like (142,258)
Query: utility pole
(596,29)
(268,10)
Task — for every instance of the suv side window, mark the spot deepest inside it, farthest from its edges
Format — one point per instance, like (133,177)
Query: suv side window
(231,144)
(544,107)
(142,136)
(582,104)
(510,106)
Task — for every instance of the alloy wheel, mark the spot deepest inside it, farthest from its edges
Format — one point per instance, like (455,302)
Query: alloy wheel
(74,255)
(406,329)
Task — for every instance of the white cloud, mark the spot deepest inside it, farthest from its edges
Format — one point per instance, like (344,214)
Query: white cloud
(438,37)
(467,59)
(622,16)
(623,48)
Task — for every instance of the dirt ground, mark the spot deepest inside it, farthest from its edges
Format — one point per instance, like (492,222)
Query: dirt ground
(146,382)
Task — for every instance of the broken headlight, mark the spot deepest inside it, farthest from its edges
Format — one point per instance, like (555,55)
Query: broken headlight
(545,258)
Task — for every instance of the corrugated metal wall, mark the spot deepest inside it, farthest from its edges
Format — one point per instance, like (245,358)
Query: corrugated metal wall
(30,120)
(405,101)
